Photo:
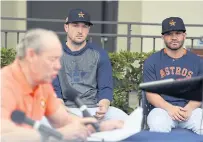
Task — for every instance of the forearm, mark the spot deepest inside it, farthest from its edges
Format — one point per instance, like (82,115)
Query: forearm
(192,105)
(71,116)
(157,101)
(58,121)
(104,79)
(105,93)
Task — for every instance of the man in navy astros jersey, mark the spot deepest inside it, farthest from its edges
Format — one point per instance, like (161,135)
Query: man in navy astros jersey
(87,69)
(176,62)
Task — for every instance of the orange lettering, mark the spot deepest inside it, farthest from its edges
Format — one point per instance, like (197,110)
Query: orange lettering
(167,71)
(162,73)
(184,72)
(189,75)
(172,70)
(178,69)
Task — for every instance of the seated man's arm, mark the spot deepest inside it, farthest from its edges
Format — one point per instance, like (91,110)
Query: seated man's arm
(57,88)
(61,117)
(194,104)
(157,101)
(105,79)
(104,84)
(149,74)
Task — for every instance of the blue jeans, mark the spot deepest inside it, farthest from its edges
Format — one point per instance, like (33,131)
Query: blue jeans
(159,121)
(112,113)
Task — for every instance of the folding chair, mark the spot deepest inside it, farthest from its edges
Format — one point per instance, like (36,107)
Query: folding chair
(146,109)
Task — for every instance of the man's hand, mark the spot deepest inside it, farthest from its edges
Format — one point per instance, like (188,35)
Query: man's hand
(176,113)
(77,130)
(103,106)
(189,108)
(186,113)
(111,124)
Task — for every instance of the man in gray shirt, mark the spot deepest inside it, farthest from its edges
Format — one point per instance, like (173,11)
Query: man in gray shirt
(87,68)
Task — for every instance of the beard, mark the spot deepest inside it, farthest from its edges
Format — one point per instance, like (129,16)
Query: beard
(76,42)
(174,49)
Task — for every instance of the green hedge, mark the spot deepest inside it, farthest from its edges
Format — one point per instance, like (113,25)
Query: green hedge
(7,56)
(127,73)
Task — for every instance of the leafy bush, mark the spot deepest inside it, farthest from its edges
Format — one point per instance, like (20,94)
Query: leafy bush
(127,74)
(7,56)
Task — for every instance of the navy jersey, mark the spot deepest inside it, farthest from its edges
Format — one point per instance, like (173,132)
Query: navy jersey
(160,66)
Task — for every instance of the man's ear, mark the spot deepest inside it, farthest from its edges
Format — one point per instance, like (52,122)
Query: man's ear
(66,27)
(30,54)
(185,35)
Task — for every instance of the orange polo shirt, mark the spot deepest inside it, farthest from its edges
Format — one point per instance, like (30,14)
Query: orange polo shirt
(17,94)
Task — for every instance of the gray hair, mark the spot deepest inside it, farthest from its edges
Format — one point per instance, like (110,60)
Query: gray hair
(34,38)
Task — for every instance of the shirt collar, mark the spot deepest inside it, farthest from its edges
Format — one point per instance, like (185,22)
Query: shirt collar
(67,49)
(165,51)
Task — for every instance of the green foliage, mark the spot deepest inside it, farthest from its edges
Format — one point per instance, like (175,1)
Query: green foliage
(7,56)
(127,74)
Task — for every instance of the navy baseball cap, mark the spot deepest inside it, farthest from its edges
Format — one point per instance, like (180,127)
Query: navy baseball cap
(172,24)
(78,15)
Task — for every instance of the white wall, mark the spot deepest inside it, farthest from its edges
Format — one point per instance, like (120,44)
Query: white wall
(12,9)
(155,11)
(129,11)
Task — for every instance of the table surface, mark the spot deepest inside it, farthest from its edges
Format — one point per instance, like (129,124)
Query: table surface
(174,136)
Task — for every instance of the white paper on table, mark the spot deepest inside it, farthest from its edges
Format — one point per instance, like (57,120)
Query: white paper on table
(132,125)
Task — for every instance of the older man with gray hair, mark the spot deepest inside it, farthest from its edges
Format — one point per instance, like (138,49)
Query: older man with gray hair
(26,86)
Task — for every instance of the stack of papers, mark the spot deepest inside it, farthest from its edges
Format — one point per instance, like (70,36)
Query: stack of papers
(132,125)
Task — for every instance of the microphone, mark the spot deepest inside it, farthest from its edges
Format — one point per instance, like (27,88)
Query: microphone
(179,88)
(73,96)
(19,117)
(156,83)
